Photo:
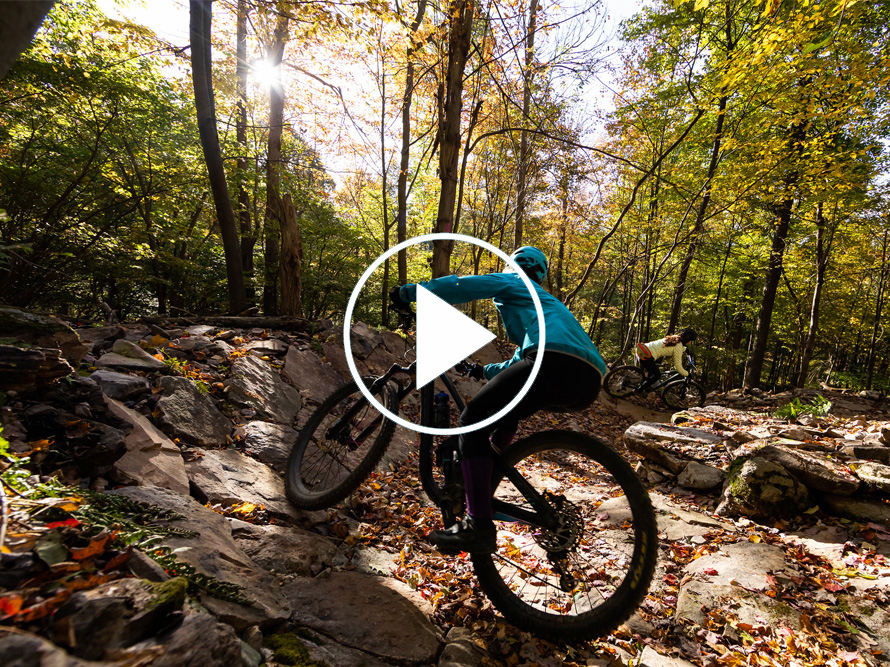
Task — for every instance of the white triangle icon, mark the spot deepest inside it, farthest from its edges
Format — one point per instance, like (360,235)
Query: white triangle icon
(445,336)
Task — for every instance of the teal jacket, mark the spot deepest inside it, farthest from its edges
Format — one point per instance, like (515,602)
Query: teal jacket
(510,295)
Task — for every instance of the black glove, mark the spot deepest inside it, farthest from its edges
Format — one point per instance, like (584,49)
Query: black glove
(477,372)
(395,296)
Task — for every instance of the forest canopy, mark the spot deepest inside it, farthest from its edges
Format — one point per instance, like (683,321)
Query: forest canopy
(733,178)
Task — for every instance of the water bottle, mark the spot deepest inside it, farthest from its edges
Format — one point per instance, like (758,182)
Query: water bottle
(442,410)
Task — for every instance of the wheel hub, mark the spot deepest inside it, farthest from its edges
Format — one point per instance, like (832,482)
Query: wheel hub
(565,535)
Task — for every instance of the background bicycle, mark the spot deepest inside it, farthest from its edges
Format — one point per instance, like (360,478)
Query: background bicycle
(561,570)
(676,391)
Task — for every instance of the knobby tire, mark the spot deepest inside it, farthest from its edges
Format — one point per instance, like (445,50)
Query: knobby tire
(621,381)
(307,456)
(673,395)
(571,456)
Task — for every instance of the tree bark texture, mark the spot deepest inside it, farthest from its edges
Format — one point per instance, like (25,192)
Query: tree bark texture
(202,76)
(248,235)
(879,306)
(806,352)
(522,175)
(273,216)
(291,260)
(19,21)
(405,162)
(460,30)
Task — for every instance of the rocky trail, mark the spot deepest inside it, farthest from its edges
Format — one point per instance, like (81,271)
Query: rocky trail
(145,520)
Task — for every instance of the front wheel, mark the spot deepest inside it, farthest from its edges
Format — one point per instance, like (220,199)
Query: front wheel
(682,394)
(339,446)
(622,381)
(584,577)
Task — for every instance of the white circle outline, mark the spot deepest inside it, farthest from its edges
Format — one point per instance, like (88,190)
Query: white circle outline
(347,343)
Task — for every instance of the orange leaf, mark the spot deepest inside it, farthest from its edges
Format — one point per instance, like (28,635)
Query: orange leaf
(10,605)
(96,546)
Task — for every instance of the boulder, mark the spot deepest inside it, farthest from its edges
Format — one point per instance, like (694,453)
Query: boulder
(256,385)
(229,477)
(184,412)
(199,330)
(286,550)
(700,476)
(267,346)
(41,331)
(126,354)
(151,458)
(269,442)
(95,338)
(460,649)
(873,474)
(199,641)
(856,508)
(652,658)
(487,354)
(364,340)
(120,386)
(307,372)
(195,343)
(26,650)
(115,615)
(347,607)
(216,554)
(880,453)
(816,471)
(23,369)
(759,488)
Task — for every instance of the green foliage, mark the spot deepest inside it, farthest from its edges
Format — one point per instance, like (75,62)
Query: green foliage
(818,407)
(290,650)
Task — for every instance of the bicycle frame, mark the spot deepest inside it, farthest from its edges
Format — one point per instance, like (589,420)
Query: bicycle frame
(543,514)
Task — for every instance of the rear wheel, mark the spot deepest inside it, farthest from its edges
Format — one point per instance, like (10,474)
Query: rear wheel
(339,446)
(622,381)
(584,577)
(681,394)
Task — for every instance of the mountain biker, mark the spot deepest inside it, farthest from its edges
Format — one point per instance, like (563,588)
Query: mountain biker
(569,379)
(648,354)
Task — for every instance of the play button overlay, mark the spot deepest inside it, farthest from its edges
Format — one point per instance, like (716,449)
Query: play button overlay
(445,336)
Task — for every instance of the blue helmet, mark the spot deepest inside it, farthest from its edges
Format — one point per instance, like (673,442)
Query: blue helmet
(532,261)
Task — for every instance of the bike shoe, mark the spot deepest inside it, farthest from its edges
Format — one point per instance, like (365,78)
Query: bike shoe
(470,535)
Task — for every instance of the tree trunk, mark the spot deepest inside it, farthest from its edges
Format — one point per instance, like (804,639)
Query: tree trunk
(460,20)
(19,23)
(248,236)
(291,260)
(202,78)
(522,174)
(273,215)
(806,352)
(879,305)
(404,165)
(384,288)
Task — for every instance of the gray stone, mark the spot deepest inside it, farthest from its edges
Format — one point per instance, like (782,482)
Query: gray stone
(114,615)
(194,343)
(255,384)
(151,458)
(27,650)
(191,416)
(267,346)
(286,550)
(120,386)
(326,652)
(487,354)
(41,331)
(96,337)
(215,553)
(269,442)
(460,649)
(199,641)
(856,509)
(307,372)
(880,453)
(816,471)
(347,607)
(700,476)
(653,442)
(229,477)
(250,657)
(759,488)
(364,340)
(652,658)
(199,330)
(126,354)
(368,560)
(395,344)
(873,474)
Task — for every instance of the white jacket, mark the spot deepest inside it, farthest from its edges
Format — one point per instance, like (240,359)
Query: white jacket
(658,350)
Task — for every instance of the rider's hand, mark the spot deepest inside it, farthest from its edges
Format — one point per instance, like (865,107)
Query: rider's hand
(477,372)
(395,296)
